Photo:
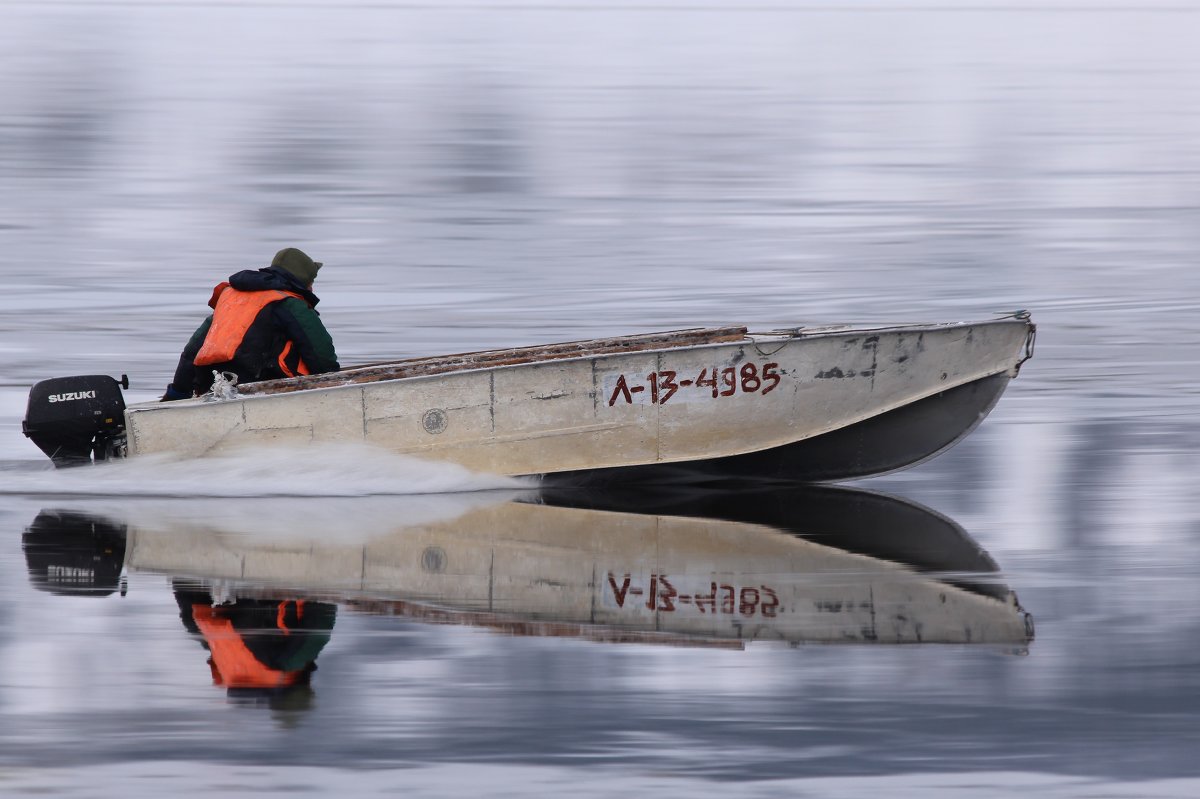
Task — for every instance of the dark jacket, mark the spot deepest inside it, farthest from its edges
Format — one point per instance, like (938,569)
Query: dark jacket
(288,321)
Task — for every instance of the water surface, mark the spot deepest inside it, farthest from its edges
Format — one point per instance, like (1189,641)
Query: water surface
(498,175)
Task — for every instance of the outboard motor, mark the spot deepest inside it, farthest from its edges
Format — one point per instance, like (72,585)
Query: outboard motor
(76,419)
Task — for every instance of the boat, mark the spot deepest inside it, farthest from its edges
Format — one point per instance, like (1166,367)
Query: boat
(813,404)
(706,567)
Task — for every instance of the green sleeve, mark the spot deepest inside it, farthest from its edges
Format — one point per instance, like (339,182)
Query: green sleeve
(197,340)
(185,371)
(304,326)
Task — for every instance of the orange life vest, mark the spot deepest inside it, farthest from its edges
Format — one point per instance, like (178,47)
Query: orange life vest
(234,665)
(233,313)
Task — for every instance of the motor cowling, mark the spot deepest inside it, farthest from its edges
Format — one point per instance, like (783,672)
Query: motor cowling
(76,419)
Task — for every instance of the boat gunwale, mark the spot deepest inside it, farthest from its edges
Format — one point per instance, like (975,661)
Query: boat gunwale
(748,338)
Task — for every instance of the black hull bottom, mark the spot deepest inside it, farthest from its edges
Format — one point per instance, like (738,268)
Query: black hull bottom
(885,443)
(879,526)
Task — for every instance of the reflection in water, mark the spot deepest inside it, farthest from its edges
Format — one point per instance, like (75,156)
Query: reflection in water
(260,649)
(695,567)
(74,554)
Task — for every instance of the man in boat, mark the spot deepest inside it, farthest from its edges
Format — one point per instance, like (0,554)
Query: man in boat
(264,326)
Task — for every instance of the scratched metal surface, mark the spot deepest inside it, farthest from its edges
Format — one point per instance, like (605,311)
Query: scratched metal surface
(478,178)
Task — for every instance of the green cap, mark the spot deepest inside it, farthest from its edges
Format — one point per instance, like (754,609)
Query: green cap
(298,263)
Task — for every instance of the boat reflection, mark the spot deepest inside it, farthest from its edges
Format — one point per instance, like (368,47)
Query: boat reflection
(695,566)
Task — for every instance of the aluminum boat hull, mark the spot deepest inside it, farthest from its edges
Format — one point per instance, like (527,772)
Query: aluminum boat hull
(811,404)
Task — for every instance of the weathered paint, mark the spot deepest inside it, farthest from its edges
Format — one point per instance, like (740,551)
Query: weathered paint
(698,578)
(680,403)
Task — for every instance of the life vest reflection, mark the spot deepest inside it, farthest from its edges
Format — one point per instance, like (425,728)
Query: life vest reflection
(259,649)
(262,650)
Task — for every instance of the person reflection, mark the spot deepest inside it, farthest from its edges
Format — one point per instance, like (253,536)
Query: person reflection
(263,651)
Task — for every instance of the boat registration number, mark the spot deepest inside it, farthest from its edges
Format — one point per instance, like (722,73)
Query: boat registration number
(749,378)
(715,598)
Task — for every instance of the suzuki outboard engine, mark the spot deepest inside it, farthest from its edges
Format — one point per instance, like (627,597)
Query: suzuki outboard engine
(76,419)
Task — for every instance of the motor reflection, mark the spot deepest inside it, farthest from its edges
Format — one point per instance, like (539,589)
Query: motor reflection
(687,566)
(75,554)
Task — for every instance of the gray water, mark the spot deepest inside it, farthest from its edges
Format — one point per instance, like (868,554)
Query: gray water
(497,174)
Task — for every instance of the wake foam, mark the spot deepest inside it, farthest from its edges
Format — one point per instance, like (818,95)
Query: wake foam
(316,470)
(295,522)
